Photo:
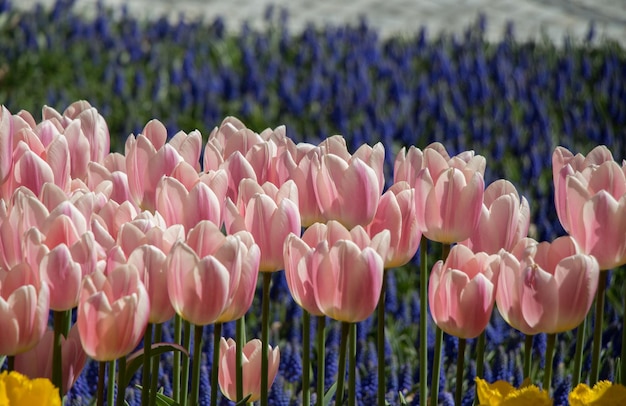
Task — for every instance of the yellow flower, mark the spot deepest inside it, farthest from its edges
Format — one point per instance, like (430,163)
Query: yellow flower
(17,390)
(603,393)
(502,393)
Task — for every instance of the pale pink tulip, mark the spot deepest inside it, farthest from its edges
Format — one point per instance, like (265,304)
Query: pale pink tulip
(546,287)
(269,214)
(590,195)
(37,362)
(93,127)
(461,291)
(396,213)
(449,195)
(339,184)
(204,272)
(113,313)
(407,165)
(564,164)
(504,219)
(24,307)
(251,368)
(343,269)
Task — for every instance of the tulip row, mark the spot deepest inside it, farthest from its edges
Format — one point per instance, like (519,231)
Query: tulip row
(172,231)
(411,91)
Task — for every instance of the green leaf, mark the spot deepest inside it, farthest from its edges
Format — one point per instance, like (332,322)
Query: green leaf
(243,401)
(329,395)
(161,399)
(135,361)
(402,399)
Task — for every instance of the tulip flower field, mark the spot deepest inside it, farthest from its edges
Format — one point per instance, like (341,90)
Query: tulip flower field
(193,216)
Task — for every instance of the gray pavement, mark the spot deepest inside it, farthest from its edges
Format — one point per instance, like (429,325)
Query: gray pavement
(532,19)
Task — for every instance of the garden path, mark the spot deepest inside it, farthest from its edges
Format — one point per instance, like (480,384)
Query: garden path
(531,18)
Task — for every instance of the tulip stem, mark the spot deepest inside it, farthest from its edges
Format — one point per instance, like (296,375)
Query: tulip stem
(306,357)
(528,355)
(101,373)
(434,395)
(184,380)
(147,361)
(10,363)
(121,391)
(61,321)
(341,372)
(623,356)
(480,360)
(460,364)
(158,332)
(265,337)
(547,377)
(111,383)
(197,360)
(423,321)
(217,335)
(597,329)
(321,359)
(178,338)
(381,343)
(240,337)
(578,356)
(352,366)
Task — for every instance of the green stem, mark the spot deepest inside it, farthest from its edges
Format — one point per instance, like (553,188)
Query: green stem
(352,366)
(460,364)
(158,333)
(623,357)
(578,357)
(547,377)
(480,360)
(121,391)
(240,338)
(178,339)
(101,373)
(381,342)
(597,330)
(111,383)
(184,380)
(341,372)
(217,335)
(423,320)
(61,321)
(147,365)
(197,360)
(528,356)
(321,359)
(265,337)
(306,358)
(434,395)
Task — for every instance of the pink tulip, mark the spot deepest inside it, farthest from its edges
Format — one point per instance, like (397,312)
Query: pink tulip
(546,287)
(590,195)
(564,164)
(93,126)
(341,269)
(269,214)
(300,263)
(407,165)
(24,307)
(37,362)
(113,313)
(449,195)
(204,273)
(251,368)
(504,219)
(396,213)
(338,183)
(461,291)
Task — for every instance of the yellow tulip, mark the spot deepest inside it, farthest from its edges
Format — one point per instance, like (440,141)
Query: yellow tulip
(17,389)
(502,393)
(603,393)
